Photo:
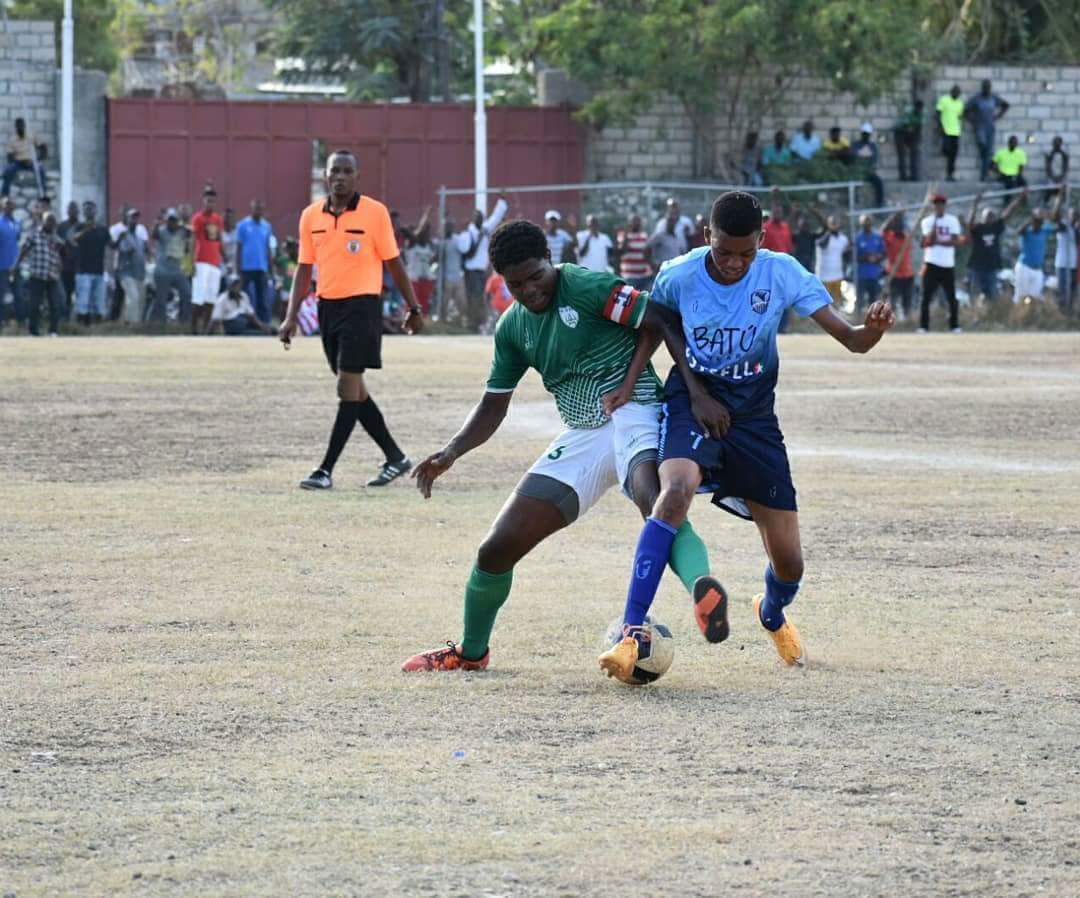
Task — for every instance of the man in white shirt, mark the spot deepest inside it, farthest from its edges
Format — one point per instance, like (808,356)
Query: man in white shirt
(558,240)
(234,311)
(806,144)
(832,246)
(472,243)
(116,231)
(941,234)
(674,222)
(593,248)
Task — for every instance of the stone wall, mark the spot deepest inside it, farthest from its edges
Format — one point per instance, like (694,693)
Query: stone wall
(27,72)
(89,169)
(30,89)
(1045,101)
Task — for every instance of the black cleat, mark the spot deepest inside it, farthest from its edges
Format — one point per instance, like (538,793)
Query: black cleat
(390,472)
(317,480)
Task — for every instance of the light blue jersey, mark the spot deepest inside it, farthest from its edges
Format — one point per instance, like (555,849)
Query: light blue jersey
(731,330)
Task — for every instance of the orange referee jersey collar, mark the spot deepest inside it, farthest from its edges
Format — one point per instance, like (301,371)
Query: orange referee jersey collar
(350,206)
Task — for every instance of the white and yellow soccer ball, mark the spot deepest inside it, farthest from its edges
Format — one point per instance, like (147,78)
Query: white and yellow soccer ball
(656,653)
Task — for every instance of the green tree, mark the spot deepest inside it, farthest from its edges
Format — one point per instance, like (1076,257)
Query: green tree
(421,49)
(94,48)
(1046,32)
(379,48)
(727,62)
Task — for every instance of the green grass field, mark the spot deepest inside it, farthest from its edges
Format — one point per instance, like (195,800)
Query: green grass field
(199,684)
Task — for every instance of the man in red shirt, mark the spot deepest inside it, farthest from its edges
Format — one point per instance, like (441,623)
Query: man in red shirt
(778,237)
(898,265)
(207,227)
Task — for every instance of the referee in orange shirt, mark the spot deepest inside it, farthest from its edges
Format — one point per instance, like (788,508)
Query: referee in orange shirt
(349,237)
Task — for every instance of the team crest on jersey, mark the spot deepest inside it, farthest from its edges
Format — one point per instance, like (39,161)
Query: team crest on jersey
(353,246)
(569,316)
(759,300)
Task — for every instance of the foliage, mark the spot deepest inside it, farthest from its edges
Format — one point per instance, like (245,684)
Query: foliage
(210,38)
(733,61)
(1046,32)
(385,49)
(391,48)
(94,47)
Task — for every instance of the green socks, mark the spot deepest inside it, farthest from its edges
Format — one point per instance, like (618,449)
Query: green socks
(689,559)
(485,594)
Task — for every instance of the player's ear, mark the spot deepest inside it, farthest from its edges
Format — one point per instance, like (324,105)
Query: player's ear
(760,238)
(707,231)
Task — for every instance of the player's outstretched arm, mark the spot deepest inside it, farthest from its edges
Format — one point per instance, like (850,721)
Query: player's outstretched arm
(711,414)
(478,428)
(879,318)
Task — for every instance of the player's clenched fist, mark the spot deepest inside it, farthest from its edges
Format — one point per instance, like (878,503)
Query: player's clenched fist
(286,331)
(880,316)
(430,468)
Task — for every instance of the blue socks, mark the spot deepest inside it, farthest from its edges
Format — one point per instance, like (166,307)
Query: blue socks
(650,559)
(778,595)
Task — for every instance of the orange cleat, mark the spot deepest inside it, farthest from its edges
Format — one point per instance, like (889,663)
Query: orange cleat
(787,640)
(449,658)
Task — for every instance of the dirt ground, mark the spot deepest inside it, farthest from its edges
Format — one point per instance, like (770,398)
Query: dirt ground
(199,684)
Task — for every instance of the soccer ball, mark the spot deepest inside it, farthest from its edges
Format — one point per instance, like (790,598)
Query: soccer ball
(656,653)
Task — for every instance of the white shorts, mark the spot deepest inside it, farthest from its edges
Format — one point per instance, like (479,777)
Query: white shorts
(592,461)
(206,285)
(1028,282)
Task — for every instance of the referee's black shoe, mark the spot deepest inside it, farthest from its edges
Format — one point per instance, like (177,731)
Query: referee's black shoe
(390,472)
(317,480)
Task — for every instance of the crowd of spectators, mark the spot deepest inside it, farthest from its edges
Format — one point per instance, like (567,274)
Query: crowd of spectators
(879,263)
(855,273)
(881,254)
(184,268)
(207,271)
(859,155)
(856,159)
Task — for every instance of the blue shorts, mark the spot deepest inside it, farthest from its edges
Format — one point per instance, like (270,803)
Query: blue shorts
(749,463)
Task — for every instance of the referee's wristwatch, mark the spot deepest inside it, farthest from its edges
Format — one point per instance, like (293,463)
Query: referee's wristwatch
(414,310)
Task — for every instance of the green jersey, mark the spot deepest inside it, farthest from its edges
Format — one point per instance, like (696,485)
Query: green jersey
(581,345)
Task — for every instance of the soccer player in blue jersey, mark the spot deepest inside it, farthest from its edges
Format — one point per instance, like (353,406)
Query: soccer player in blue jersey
(719,307)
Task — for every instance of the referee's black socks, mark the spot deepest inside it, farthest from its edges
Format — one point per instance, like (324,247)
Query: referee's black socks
(371,419)
(339,436)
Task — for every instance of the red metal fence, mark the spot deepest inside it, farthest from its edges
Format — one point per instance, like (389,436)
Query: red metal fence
(162,152)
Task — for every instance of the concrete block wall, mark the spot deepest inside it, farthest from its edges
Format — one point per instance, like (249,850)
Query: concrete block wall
(1044,101)
(27,82)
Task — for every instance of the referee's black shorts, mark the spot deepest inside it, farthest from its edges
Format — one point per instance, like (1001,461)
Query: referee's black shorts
(351,331)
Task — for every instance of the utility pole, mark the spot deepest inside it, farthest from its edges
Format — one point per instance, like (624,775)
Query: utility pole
(67,105)
(442,51)
(480,122)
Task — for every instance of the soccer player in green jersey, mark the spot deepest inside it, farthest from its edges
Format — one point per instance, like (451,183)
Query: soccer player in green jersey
(579,329)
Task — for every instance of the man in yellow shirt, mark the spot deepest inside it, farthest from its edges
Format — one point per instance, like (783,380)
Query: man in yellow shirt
(950,110)
(837,147)
(350,237)
(1009,163)
(22,155)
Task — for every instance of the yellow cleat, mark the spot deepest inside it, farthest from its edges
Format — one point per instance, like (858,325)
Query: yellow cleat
(619,660)
(787,640)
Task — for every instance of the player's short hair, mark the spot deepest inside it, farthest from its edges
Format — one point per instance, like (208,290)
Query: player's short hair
(515,242)
(736,213)
(348,153)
